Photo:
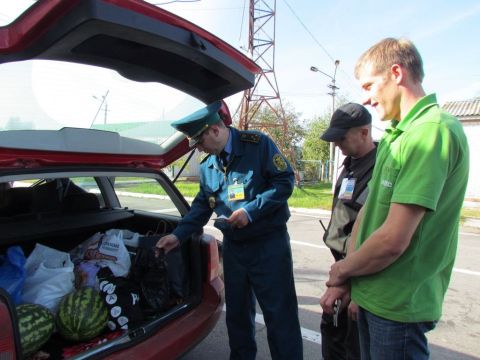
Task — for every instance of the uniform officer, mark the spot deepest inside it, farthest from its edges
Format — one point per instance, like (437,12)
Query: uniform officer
(351,130)
(246,180)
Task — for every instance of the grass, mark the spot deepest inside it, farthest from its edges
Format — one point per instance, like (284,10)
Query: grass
(188,189)
(470,213)
(308,196)
(316,196)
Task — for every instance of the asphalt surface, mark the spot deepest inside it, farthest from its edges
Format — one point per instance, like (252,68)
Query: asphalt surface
(457,335)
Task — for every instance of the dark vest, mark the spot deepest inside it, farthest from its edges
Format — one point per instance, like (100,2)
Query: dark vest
(344,212)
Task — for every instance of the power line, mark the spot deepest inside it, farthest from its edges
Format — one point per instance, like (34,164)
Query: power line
(309,32)
(321,46)
(243,18)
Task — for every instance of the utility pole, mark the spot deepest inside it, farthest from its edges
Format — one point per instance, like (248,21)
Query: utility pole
(103,100)
(332,93)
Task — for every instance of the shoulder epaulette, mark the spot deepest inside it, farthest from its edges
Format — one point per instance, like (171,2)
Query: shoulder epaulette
(250,137)
(205,158)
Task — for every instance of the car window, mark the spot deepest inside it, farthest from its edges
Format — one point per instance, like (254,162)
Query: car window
(49,195)
(89,184)
(144,194)
(50,95)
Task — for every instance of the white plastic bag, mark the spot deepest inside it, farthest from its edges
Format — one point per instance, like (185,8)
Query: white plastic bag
(49,277)
(105,250)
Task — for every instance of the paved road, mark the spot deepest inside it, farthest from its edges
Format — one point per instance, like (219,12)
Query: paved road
(457,335)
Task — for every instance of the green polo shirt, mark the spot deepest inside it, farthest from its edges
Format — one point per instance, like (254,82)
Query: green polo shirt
(421,160)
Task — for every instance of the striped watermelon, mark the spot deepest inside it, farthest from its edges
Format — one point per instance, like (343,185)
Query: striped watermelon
(81,315)
(35,325)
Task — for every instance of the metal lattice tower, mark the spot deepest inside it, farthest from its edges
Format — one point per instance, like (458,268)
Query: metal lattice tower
(261,45)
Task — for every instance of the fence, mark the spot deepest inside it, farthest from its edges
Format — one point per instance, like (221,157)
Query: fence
(313,171)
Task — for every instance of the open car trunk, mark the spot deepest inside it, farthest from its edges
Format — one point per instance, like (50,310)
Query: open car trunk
(63,224)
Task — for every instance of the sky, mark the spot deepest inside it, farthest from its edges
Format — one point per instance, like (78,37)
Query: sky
(316,33)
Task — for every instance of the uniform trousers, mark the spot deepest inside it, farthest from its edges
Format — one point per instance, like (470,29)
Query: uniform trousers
(261,268)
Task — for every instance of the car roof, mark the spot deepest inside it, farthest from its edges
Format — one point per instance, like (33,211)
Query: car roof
(142,43)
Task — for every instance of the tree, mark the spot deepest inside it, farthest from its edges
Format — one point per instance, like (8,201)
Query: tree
(315,148)
(15,123)
(267,121)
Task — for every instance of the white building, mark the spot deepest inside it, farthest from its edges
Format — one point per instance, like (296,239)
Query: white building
(468,112)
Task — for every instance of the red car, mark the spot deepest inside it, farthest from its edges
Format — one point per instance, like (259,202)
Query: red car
(88,89)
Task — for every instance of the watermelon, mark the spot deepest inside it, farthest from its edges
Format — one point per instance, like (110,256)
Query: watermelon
(35,324)
(82,315)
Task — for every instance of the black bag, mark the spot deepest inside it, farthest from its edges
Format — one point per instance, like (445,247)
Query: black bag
(176,268)
(122,298)
(149,269)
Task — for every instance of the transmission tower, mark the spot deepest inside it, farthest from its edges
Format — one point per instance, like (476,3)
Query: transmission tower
(261,45)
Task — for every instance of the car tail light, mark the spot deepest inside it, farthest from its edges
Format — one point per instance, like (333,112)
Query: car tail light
(7,333)
(213,260)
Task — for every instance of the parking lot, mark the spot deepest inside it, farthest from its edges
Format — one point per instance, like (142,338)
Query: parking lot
(457,335)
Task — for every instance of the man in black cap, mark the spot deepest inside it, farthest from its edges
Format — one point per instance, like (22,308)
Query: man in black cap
(351,130)
(246,181)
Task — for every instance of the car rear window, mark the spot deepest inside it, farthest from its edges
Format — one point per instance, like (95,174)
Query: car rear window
(50,95)
(144,194)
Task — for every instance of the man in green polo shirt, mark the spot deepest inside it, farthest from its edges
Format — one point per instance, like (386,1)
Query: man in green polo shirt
(404,240)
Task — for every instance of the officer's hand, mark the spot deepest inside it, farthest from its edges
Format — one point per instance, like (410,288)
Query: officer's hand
(353,311)
(238,219)
(167,242)
(337,277)
(333,293)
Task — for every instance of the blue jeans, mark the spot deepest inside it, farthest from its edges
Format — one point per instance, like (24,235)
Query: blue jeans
(382,339)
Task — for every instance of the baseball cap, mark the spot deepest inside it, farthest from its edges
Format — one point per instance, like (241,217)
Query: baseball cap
(344,118)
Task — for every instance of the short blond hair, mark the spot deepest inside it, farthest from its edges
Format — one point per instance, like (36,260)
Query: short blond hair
(392,51)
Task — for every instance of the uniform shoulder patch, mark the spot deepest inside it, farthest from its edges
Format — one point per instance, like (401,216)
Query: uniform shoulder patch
(205,159)
(250,137)
(279,162)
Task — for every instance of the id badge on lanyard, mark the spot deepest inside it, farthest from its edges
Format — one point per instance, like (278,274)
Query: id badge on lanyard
(346,189)
(236,192)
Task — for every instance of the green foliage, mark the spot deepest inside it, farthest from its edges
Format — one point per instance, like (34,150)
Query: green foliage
(315,148)
(269,120)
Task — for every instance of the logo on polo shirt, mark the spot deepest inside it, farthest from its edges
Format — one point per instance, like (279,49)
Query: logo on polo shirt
(386,183)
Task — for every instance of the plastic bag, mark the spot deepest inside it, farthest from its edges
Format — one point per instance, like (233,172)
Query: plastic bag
(12,272)
(105,250)
(86,275)
(49,277)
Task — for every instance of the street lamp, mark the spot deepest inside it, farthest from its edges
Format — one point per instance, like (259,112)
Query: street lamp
(332,93)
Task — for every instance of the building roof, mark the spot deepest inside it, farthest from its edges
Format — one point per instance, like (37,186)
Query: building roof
(464,110)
